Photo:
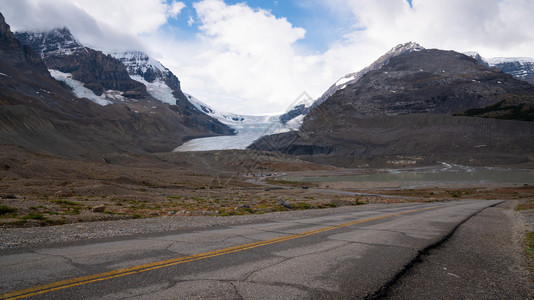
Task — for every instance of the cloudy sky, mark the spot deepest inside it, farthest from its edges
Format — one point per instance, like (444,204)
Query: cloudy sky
(258,56)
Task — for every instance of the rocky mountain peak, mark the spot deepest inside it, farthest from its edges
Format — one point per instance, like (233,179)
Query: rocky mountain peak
(140,64)
(404,48)
(97,71)
(384,59)
(58,41)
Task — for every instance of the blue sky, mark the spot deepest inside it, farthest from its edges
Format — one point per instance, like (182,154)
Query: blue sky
(323,26)
(258,56)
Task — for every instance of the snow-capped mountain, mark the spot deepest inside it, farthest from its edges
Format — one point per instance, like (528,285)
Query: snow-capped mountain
(520,67)
(96,71)
(159,81)
(300,111)
(383,60)
(58,41)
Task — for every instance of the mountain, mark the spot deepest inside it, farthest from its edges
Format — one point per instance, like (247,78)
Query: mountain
(99,72)
(519,67)
(341,83)
(164,86)
(41,113)
(413,108)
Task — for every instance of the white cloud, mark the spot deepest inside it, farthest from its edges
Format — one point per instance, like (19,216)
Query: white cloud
(492,27)
(174,9)
(102,24)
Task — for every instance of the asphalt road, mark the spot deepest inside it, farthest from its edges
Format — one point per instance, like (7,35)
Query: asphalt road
(342,255)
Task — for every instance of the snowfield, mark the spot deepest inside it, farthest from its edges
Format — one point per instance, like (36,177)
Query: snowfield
(81,91)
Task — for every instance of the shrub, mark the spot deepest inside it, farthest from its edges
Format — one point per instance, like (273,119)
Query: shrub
(6,210)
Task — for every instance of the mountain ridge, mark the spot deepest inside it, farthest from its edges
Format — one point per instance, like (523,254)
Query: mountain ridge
(422,97)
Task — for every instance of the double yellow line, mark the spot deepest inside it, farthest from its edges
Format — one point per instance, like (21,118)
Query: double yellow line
(64,284)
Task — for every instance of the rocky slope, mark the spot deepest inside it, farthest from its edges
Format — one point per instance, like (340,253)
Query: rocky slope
(407,111)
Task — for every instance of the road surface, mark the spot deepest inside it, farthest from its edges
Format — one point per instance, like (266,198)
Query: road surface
(341,255)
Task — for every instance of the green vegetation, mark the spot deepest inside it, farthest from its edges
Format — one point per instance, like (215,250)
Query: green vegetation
(503,110)
(4,209)
(529,241)
(66,203)
(523,206)
(34,216)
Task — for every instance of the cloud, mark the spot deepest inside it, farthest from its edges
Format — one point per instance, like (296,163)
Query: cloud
(493,27)
(174,9)
(101,24)
(246,55)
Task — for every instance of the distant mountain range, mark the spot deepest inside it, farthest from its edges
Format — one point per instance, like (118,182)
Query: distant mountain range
(415,105)
(519,67)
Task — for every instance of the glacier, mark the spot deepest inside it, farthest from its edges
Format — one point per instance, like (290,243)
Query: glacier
(248,129)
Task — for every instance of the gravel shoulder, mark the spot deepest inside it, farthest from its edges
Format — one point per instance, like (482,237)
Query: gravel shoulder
(45,236)
(483,259)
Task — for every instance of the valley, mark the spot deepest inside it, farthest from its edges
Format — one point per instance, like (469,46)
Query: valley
(101,150)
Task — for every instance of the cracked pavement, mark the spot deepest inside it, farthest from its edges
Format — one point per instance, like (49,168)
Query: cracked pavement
(319,258)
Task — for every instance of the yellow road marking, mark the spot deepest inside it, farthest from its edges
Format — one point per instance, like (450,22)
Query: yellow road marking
(68,283)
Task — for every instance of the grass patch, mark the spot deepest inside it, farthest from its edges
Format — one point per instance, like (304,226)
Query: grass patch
(34,216)
(523,206)
(66,202)
(302,205)
(529,241)
(4,209)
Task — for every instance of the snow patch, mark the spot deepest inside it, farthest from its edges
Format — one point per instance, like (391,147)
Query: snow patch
(502,60)
(344,80)
(77,87)
(157,89)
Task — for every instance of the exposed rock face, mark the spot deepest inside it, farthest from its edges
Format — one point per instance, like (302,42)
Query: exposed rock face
(99,72)
(406,108)
(12,51)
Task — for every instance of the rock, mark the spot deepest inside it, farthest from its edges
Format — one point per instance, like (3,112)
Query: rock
(63,194)
(171,213)
(154,214)
(284,204)
(99,208)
